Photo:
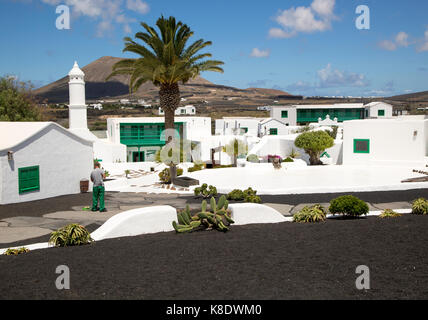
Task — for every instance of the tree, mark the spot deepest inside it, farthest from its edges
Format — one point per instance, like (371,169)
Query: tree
(314,143)
(16,101)
(165,59)
(236,148)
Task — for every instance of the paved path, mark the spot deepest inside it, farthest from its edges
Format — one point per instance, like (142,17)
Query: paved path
(36,220)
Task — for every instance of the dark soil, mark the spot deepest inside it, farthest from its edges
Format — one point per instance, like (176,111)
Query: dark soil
(40,207)
(278,261)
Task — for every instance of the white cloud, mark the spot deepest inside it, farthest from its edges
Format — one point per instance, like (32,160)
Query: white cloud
(138,6)
(424,46)
(257,53)
(400,40)
(107,12)
(330,77)
(387,45)
(316,18)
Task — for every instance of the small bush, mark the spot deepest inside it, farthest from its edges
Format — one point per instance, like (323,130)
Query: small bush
(248,195)
(289,159)
(165,177)
(15,252)
(206,191)
(236,195)
(388,213)
(420,206)
(71,235)
(253,158)
(196,167)
(311,214)
(349,206)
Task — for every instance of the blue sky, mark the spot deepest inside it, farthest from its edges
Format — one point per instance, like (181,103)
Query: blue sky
(309,47)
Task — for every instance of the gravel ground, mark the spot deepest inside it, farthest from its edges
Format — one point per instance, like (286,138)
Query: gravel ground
(278,261)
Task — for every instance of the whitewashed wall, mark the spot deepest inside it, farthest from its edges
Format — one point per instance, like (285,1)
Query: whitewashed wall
(392,142)
(373,110)
(109,152)
(276,111)
(63,158)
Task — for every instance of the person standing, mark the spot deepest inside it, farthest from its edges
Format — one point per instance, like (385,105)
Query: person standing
(97,177)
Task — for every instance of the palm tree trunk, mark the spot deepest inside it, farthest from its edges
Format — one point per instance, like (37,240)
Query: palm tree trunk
(169,96)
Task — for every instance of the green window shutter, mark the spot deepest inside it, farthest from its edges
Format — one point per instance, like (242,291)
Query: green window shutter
(361,146)
(381,113)
(245,130)
(284,114)
(273,131)
(29,179)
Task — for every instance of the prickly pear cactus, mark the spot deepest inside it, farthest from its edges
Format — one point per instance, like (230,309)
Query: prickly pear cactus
(219,218)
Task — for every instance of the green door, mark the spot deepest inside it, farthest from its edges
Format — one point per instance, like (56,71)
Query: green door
(138,156)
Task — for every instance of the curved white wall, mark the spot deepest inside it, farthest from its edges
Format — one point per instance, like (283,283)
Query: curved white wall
(137,222)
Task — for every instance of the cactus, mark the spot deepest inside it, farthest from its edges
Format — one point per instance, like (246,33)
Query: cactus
(218,218)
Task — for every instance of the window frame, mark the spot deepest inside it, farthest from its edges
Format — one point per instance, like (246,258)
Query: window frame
(362,152)
(35,187)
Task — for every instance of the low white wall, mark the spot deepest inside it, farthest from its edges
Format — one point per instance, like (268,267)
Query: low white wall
(137,222)
(253,213)
(109,152)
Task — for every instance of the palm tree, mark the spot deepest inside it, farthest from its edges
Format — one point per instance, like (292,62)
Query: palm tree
(165,59)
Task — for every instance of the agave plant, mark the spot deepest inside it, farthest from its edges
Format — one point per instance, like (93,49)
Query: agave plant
(315,213)
(71,235)
(388,213)
(14,252)
(420,206)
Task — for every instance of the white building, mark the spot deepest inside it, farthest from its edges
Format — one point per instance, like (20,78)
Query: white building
(188,110)
(256,127)
(40,160)
(143,136)
(305,114)
(400,141)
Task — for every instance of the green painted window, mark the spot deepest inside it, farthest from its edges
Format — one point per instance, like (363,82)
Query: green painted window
(29,179)
(381,113)
(361,146)
(284,114)
(273,131)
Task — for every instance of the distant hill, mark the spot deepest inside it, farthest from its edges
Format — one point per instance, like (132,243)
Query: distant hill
(96,72)
(412,97)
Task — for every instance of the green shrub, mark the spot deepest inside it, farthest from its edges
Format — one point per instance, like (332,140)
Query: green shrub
(388,213)
(248,195)
(71,235)
(311,214)
(14,252)
(289,159)
(253,158)
(165,176)
(349,206)
(253,199)
(196,167)
(206,191)
(420,206)
(236,195)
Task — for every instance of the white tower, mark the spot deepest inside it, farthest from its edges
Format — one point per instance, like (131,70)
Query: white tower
(78,122)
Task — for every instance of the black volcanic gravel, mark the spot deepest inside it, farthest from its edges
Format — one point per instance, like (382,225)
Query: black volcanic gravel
(277,261)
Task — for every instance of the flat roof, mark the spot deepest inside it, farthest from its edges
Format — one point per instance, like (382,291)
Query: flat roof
(156,119)
(324,106)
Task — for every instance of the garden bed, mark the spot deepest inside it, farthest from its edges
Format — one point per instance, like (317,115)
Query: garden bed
(278,261)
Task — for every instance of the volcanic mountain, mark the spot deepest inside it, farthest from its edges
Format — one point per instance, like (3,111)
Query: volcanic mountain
(97,88)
